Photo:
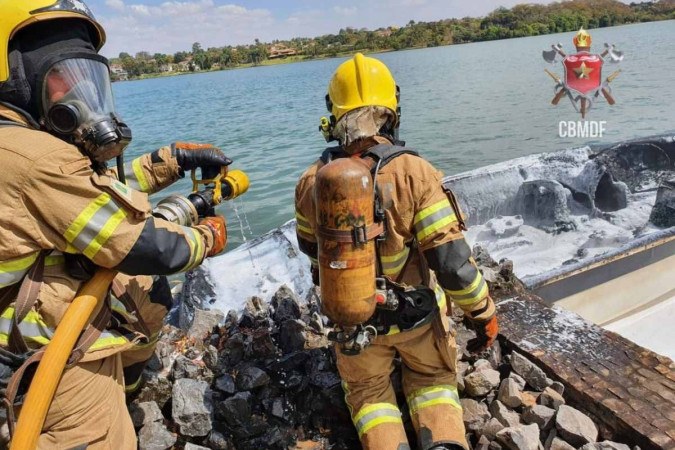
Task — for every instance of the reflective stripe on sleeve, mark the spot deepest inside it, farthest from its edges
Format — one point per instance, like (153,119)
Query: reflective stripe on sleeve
(302,224)
(135,177)
(391,265)
(196,244)
(95,224)
(376,414)
(440,298)
(432,396)
(476,291)
(433,218)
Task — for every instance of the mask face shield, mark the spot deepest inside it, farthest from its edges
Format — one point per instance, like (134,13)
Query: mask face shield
(77,102)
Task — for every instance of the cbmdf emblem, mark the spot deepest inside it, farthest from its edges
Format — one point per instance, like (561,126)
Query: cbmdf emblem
(583,81)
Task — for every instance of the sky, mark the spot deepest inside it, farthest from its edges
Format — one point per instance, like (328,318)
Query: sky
(169,26)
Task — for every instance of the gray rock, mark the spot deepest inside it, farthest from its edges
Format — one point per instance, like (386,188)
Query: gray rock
(191,446)
(476,414)
(481,382)
(191,407)
(509,393)
(575,427)
(522,437)
(507,417)
(532,374)
(250,378)
(520,381)
(460,383)
(210,358)
(285,304)
(292,335)
(184,367)
(558,387)
(157,388)
(494,445)
(204,322)
(559,444)
(541,415)
(605,445)
(463,368)
(155,436)
(217,441)
(481,364)
(482,444)
(491,428)
(145,412)
(551,399)
(225,383)
(256,308)
(236,410)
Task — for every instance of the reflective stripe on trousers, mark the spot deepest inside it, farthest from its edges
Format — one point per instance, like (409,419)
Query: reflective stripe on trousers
(12,271)
(376,414)
(35,331)
(432,396)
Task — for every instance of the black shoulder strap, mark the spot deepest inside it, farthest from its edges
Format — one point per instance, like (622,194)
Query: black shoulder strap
(383,154)
(332,153)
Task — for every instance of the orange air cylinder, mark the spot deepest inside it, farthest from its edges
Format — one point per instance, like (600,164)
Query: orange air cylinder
(343,196)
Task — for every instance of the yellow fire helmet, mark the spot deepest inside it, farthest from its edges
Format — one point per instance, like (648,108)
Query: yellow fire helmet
(582,39)
(16,15)
(361,81)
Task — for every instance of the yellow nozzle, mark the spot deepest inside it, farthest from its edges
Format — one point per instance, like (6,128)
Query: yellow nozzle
(238,182)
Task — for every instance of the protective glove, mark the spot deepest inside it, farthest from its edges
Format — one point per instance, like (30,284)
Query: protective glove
(486,333)
(190,156)
(9,362)
(219,230)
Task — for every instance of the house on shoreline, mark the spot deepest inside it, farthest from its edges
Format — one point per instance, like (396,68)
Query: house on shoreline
(280,51)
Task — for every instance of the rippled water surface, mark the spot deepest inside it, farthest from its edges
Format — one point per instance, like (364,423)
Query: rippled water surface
(464,106)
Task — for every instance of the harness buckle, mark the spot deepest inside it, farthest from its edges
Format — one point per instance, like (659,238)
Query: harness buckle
(360,235)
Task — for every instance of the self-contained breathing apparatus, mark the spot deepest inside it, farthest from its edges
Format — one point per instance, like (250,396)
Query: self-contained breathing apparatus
(351,225)
(77,104)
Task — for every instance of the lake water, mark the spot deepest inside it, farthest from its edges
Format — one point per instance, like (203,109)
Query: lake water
(464,106)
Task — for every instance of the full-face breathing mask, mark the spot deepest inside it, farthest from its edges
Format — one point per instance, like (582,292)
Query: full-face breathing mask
(77,103)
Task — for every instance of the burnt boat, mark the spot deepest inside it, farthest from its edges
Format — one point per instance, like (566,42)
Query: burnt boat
(589,229)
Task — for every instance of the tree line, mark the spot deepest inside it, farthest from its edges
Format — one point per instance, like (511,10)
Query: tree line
(519,21)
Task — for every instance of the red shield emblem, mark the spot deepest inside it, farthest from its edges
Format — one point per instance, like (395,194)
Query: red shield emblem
(583,72)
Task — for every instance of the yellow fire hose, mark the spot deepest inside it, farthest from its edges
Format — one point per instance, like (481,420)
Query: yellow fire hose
(51,367)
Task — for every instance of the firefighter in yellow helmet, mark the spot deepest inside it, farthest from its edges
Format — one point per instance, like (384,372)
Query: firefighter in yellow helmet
(63,213)
(422,257)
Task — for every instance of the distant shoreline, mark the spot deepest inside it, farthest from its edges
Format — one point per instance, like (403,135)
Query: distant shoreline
(520,21)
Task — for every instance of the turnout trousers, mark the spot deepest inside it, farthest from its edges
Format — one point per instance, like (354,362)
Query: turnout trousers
(429,359)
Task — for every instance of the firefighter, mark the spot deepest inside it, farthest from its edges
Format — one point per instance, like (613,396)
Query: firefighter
(63,213)
(422,247)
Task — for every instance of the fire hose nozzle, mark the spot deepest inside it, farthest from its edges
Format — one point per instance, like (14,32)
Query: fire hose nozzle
(235,183)
(186,211)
